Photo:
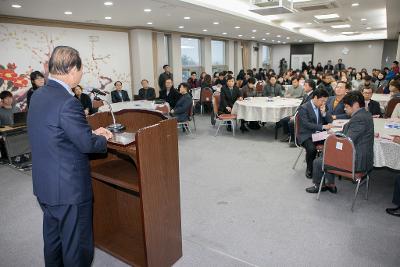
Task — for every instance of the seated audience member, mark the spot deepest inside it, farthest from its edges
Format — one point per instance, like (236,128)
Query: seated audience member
(206,83)
(119,95)
(170,94)
(181,109)
(288,122)
(334,105)
(146,92)
(394,88)
(396,194)
(249,90)
(84,99)
(295,90)
(228,97)
(202,76)
(192,81)
(380,81)
(37,81)
(326,84)
(357,81)
(371,105)
(313,75)
(7,108)
(272,88)
(367,83)
(312,120)
(360,129)
(319,67)
(396,112)
(221,79)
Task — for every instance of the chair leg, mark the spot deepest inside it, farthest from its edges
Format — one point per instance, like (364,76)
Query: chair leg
(201,109)
(276,131)
(233,127)
(219,125)
(320,186)
(298,157)
(367,188)
(355,195)
(194,123)
(188,129)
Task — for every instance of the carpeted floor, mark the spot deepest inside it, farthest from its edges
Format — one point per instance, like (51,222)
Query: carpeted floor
(242,205)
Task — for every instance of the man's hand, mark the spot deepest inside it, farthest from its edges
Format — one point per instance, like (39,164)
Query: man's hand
(327,126)
(333,117)
(375,116)
(86,112)
(323,109)
(228,109)
(396,139)
(103,132)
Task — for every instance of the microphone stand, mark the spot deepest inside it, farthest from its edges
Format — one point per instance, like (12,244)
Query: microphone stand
(114,127)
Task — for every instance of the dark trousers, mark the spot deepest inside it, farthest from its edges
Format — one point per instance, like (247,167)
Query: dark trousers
(396,193)
(311,152)
(317,173)
(288,127)
(68,235)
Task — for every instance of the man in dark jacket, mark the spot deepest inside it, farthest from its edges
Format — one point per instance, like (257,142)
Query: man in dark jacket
(360,129)
(170,94)
(164,76)
(371,105)
(146,92)
(229,94)
(119,95)
(181,110)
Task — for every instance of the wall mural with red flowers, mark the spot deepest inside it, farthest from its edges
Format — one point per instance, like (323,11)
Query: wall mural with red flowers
(26,48)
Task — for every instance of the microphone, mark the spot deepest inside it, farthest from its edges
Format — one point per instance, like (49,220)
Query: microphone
(99,92)
(114,127)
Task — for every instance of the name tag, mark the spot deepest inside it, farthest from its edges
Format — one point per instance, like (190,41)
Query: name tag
(339,145)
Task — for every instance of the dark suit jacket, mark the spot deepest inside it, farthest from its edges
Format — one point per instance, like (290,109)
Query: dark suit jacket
(227,99)
(147,94)
(308,122)
(115,98)
(360,129)
(172,98)
(61,140)
(181,110)
(86,102)
(374,108)
(275,90)
(162,78)
(338,111)
(306,98)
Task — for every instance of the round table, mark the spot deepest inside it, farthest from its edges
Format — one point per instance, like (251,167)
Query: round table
(264,110)
(138,104)
(383,99)
(386,152)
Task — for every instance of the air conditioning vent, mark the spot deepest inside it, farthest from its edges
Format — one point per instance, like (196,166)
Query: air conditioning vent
(272,7)
(315,5)
(335,21)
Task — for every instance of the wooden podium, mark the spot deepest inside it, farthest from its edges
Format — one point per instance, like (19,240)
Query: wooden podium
(136,213)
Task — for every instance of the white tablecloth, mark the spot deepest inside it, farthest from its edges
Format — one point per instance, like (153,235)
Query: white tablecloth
(138,104)
(383,99)
(386,152)
(259,109)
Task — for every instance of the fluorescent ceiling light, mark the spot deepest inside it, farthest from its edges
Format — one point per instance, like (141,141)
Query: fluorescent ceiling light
(299,1)
(16,6)
(278,36)
(240,35)
(267,33)
(68,13)
(204,30)
(108,3)
(147,10)
(355,4)
(327,16)
(215,22)
(348,33)
(252,37)
(341,26)
(186,17)
(149,23)
(263,39)
(224,33)
(181,27)
(363,19)
(254,30)
(108,17)
(237,27)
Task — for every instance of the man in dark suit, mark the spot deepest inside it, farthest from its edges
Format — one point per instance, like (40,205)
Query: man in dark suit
(334,104)
(164,76)
(328,68)
(272,88)
(371,105)
(311,120)
(287,123)
(119,95)
(61,140)
(326,84)
(229,94)
(360,129)
(170,94)
(181,110)
(146,92)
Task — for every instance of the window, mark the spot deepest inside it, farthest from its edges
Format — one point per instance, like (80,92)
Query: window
(190,55)
(218,56)
(266,57)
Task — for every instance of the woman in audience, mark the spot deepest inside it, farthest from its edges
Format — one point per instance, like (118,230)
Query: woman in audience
(319,67)
(7,108)
(84,99)
(249,90)
(146,92)
(206,82)
(240,75)
(202,75)
(37,80)
(357,82)
(381,82)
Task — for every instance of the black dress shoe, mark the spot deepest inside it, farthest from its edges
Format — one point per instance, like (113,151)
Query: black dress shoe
(285,139)
(331,189)
(394,211)
(314,189)
(229,128)
(308,174)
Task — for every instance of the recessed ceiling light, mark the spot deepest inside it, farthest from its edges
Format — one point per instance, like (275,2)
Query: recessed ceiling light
(300,41)
(355,4)
(186,17)
(309,23)
(349,33)
(284,43)
(327,16)
(287,38)
(215,22)
(108,3)
(181,27)
(341,26)
(108,17)
(204,30)
(273,40)
(68,13)
(363,19)
(252,37)
(263,39)
(149,23)
(267,33)
(279,41)
(324,30)
(147,10)
(237,27)
(278,36)
(16,6)
(368,28)
(240,35)
(224,33)
(254,30)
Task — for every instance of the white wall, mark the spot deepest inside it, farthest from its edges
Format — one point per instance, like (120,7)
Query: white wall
(398,50)
(365,54)
(277,53)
